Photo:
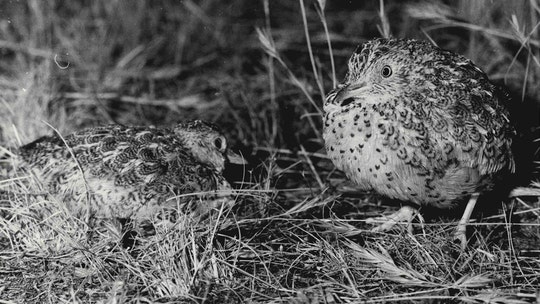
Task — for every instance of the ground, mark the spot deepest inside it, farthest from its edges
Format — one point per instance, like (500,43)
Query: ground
(297,232)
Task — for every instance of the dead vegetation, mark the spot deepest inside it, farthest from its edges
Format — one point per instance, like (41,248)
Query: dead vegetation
(259,69)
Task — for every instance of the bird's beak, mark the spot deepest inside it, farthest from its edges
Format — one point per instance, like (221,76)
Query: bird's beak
(346,94)
(350,91)
(236,158)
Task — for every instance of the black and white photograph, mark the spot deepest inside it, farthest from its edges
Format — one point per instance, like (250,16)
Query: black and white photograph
(269,151)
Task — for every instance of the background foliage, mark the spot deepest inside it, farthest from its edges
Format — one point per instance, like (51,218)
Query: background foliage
(297,233)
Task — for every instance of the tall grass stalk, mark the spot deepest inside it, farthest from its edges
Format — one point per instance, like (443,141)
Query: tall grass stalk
(271,77)
(297,230)
(384,29)
(269,47)
(316,74)
(320,11)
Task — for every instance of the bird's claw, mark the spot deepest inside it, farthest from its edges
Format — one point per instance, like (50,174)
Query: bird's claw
(460,235)
(404,215)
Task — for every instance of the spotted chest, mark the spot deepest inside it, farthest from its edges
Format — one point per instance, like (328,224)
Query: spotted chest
(355,145)
(417,123)
(379,150)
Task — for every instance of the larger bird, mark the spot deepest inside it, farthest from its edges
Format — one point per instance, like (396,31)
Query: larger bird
(130,172)
(419,124)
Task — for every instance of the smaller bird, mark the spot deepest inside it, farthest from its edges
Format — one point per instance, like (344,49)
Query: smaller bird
(131,172)
(419,124)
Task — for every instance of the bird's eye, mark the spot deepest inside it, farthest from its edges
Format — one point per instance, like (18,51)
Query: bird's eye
(386,71)
(220,143)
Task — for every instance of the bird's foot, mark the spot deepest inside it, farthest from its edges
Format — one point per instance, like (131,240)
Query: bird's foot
(460,235)
(404,214)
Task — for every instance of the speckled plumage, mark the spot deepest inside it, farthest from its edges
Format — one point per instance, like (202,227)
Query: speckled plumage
(129,172)
(417,123)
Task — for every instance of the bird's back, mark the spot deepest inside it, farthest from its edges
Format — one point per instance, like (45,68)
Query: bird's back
(119,171)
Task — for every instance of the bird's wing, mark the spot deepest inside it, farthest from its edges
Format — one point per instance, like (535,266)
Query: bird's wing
(129,155)
(155,160)
(482,130)
(469,119)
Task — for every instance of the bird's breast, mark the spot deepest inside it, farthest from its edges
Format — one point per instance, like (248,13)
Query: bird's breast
(378,153)
(354,145)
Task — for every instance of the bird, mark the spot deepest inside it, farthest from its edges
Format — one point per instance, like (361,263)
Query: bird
(131,172)
(419,124)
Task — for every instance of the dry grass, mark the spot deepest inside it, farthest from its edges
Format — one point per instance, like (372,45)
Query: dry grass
(260,70)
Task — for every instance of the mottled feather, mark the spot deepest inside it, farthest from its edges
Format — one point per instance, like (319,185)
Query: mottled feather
(118,171)
(418,123)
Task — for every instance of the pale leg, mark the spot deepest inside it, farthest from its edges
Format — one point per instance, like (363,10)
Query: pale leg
(461,230)
(404,214)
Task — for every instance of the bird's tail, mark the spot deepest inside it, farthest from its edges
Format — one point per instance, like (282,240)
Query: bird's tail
(7,196)
(9,199)
(8,163)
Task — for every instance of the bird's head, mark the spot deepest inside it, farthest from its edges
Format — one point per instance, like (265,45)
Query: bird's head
(383,69)
(207,144)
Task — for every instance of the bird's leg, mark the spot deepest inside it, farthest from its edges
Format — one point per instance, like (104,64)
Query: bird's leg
(128,232)
(461,230)
(404,214)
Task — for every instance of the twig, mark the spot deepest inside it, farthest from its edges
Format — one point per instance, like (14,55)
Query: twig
(312,167)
